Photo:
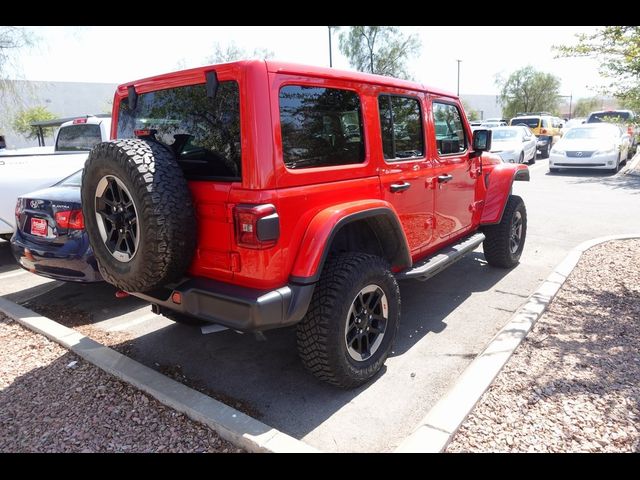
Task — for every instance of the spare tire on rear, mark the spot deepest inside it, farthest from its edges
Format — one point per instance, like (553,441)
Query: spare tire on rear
(138,214)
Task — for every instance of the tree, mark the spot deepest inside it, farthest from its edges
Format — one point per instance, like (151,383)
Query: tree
(528,90)
(233,52)
(23,120)
(472,114)
(584,106)
(617,50)
(12,40)
(381,50)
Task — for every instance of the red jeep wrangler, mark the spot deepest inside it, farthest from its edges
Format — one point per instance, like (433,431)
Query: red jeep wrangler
(259,195)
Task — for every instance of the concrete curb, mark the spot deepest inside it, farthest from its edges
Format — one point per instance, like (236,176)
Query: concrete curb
(229,423)
(438,427)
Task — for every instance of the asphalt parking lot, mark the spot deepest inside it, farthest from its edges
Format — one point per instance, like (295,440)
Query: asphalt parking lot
(446,322)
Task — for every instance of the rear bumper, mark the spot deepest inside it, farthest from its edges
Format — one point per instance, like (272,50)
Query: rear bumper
(71,262)
(233,306)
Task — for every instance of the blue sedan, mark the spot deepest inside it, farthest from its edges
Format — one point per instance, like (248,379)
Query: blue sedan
(50,239)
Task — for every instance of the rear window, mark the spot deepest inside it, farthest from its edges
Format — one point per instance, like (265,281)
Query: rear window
(608,117)
(73,180)
(76,138)
(203,132)
(529,122)
(320,127)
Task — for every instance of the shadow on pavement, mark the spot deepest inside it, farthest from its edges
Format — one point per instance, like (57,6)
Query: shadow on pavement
(620,182)
(266,378)
(7,262)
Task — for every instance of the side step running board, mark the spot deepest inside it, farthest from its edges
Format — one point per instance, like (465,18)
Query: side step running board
(430,266)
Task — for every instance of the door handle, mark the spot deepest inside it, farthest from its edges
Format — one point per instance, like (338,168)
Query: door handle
(400,187)
(445,178)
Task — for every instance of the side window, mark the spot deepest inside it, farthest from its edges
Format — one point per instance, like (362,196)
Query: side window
(320,127)
(450,134)
(401,126)
(545,123)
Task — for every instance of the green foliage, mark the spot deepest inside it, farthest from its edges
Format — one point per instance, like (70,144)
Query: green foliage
(233,52)
(24,118)
(379,49)
(528,90)
(617,50)
(584,106)
(471,113)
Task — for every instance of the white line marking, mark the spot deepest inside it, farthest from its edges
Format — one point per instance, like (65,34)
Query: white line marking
(12,274)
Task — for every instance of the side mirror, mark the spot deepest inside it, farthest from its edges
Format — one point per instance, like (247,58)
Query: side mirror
(482,140)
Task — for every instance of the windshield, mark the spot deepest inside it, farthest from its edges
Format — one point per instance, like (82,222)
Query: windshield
(74,138)
(502,134)
(589,133)
(203,132)
(529,122)
(608,117)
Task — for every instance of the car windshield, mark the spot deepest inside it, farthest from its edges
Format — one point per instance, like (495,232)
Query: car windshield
(503,134)
(589,133)
(529,122)
(608,117)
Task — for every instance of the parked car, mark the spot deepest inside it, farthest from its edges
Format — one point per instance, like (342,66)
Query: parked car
(592,145)
(514,144)
(545,127)
(627,119)
(488,124)
(50,239)
(40,168)
(270,214)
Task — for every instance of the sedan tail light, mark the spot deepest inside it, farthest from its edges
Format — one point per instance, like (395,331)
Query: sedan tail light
(72,219)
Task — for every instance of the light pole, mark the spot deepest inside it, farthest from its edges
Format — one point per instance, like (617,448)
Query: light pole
(330,58)
(458,76)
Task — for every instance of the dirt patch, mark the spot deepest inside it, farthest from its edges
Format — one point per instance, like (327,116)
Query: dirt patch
(53,401)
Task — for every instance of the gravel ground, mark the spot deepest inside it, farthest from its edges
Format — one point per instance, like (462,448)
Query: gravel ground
(573,385)
(53,401)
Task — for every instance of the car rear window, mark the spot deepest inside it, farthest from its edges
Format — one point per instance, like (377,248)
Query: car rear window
(529,122)
(608,116)
(77,138)
(203,132)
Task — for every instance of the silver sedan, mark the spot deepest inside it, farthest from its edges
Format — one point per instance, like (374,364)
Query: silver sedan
(515,144)
(591,145)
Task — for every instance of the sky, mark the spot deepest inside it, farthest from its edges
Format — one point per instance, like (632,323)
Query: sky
(121,54)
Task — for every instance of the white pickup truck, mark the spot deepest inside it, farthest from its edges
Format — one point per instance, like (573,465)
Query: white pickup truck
(25,170)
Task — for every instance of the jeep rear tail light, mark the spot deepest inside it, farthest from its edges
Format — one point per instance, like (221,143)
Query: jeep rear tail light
(72,219)
(257,226)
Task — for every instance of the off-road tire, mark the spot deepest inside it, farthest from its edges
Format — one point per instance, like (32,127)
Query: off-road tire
(497,244)
(321,333)
(165,213)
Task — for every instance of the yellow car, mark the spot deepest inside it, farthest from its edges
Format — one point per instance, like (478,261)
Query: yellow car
(545,126)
